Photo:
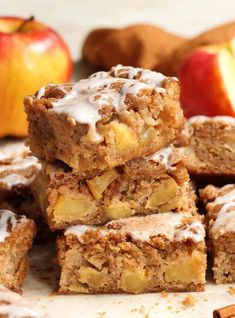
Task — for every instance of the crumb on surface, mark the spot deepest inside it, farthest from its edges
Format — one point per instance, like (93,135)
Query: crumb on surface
(231,291)
(101,314)
(119,302)
(134,310)
(164,294)
(188,301)
(141,311)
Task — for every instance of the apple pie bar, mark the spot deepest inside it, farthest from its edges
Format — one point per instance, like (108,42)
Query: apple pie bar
(105,120)
(17,173)
(209,145)
(157,183)
(220,208)
(16,237)
(134,255)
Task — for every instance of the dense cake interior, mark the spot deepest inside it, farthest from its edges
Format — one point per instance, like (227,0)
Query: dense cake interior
(139,254)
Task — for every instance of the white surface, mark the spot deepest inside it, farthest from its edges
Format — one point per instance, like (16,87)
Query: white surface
(73,19)
(40,284)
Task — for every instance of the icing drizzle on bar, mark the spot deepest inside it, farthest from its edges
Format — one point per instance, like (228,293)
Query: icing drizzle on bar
(152,78)
(14,306)
(165,157)
(20,163)
(11,149)
(11,170)
(173,226)
(225,220)
(84,100)
(8,221)
(201,119)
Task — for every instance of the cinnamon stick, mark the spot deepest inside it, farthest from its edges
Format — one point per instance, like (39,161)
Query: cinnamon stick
(225,312)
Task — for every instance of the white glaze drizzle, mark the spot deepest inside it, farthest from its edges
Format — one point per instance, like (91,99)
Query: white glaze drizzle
(7,217)
(170,225)
(163,157)
(11,169)
(151,78)
(12,149)
(79,230)
(83,102)
(15,306)
(227,197)
(225,220)
(201,119)
(42,90)
(13,179)
(20,163)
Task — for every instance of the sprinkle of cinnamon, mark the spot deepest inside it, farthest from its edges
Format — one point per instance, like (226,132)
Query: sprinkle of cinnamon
(188,301)
(164,294)
(101,314)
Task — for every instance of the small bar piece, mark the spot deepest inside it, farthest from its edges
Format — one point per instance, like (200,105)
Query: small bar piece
(105,120)
(220,208)
(17,173)
(209,146)
(158,183)
(16,238)
(134,255)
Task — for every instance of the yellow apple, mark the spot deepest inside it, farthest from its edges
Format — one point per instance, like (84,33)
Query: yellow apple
(31,55)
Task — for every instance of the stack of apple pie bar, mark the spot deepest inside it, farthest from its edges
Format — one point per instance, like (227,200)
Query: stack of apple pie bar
(115,186)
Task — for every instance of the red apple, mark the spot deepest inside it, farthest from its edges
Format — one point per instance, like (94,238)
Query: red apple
(207,78)
(31,55)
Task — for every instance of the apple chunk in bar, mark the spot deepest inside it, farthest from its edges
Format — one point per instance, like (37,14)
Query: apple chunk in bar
(134,255)
(157,183)
(16,237)
(209,146)
(220,208)
(105,120)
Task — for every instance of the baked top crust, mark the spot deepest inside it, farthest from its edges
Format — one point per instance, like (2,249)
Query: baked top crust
(105,93)
(171,226)
(197,122)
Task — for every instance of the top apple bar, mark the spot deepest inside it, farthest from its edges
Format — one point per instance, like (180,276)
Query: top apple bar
(105,120)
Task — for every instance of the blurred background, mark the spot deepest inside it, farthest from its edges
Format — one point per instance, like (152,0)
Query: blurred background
(73,19)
